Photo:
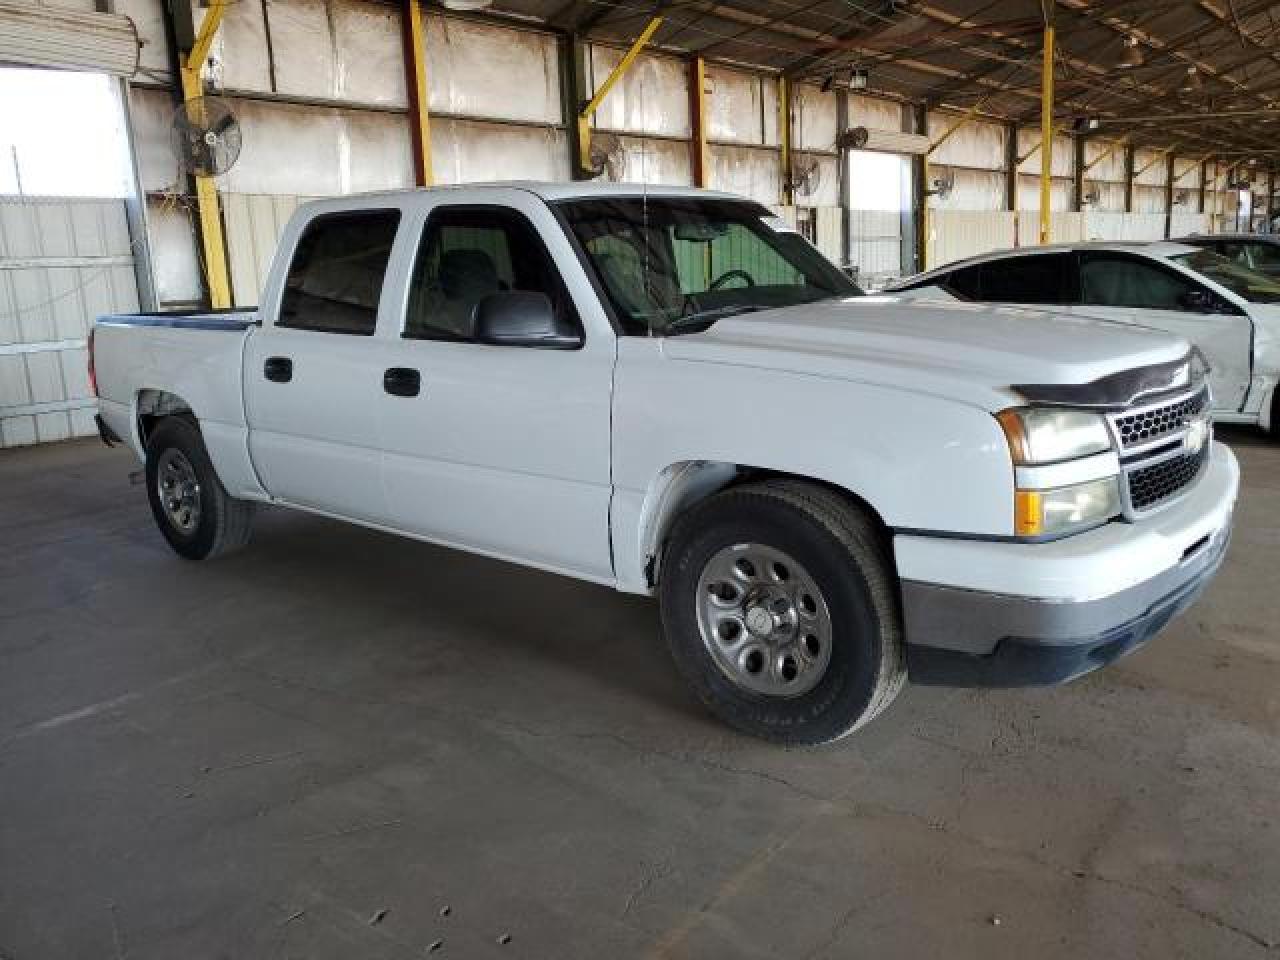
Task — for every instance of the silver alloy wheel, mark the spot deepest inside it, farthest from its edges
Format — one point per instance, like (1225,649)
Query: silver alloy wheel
(179,490)
(763,620)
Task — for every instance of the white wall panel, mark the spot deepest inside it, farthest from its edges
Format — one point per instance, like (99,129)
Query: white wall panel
(254,224)
(1148,199)
(813,118)
(975,144)
(971,190)
(1110,167)
(654,161)
(956,234)
(651,97)
(467,151)
(1063,153)
(483,71)
(1124,226)
(152,113)
(1185,224)
(1063,228)
(368,53)
(1156,164)
(318,151)
(1029,193)
(174,261)
(751,172)
(874,113)
(62,263)
(1186,174)
(736,106)
(238,57)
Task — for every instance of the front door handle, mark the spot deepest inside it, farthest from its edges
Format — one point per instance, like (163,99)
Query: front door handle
(278,369)
(402,382)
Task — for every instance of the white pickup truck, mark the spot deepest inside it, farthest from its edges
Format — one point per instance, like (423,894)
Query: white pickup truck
(671,392)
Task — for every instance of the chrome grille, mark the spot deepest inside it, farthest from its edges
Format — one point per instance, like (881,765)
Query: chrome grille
(1155,423)
(1152,485)
(1158,460)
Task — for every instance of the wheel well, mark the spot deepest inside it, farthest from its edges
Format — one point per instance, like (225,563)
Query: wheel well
(153,406)
(703,479)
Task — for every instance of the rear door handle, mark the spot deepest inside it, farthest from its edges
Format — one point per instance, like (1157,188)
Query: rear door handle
(402,382)
(278,369)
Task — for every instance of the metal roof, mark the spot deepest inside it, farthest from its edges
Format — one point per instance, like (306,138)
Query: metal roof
(1205,76)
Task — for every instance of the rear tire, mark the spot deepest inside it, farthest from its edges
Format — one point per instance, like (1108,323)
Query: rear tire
(197,516)
(780,609)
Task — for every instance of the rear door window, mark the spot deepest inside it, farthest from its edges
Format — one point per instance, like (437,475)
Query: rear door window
(335,280)
(1040,278)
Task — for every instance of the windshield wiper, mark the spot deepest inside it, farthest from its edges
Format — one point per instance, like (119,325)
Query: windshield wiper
(699,321)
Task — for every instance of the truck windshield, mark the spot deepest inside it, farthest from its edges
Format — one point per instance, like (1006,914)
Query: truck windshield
(1241,280)
(677,264)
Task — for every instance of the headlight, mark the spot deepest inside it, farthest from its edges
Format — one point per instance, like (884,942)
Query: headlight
(1040,435)
(1039,513)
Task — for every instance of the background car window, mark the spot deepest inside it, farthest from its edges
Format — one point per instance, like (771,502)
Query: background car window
(966,283)
(1265,257)
(1115,281)
(1036,278)
(467,254)
(335,280)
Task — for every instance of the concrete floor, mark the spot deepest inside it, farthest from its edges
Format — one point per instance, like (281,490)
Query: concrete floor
(317,747)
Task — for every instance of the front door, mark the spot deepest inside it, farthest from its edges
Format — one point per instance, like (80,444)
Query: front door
(1119,286)
(505,449)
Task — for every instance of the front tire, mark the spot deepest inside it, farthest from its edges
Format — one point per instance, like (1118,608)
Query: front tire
(781,613)
(197,516)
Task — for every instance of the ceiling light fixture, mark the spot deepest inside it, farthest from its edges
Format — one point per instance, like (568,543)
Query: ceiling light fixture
(1191,83)
(465,4)
(859,78)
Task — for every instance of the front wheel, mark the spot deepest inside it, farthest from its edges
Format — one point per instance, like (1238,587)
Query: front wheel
(197,516)
(780,610)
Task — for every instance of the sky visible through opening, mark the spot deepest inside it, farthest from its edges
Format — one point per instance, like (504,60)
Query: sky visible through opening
(61,135)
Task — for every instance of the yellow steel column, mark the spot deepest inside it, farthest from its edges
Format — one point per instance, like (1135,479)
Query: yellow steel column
(698,121)
(415,43)
(584,115)
(215,251)
(784,139)
(1046,135)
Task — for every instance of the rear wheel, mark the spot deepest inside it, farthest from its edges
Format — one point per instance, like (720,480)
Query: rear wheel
(193,510)
(780,611)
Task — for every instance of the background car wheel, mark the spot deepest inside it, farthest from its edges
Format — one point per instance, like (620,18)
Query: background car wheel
(780,610)
(192,508)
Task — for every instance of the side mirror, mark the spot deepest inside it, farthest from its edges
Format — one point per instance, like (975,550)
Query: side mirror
(1197,301)
(520,318)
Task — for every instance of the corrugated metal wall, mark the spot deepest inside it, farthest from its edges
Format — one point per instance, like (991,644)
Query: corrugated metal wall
(62,263)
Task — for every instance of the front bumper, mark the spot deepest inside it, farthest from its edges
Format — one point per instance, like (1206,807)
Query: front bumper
(1075,612)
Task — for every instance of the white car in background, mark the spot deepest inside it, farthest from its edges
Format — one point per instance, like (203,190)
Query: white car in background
(1232,313)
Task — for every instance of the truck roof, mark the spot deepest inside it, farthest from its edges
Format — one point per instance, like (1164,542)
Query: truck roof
(573,189)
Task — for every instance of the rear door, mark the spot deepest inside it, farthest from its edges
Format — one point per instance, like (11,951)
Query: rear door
(1142,291)
(313,376)
(504,449)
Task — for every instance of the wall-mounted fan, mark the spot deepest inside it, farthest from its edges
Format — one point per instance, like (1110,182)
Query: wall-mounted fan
(806,178)
(608,157)
(206,136)
(941,184)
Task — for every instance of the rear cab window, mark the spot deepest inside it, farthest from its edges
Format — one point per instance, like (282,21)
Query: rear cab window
(334,283)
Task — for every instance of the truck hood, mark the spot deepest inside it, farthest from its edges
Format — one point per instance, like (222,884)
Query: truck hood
(969,352)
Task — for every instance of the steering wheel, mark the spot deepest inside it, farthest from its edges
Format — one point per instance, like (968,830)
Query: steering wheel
(729,275)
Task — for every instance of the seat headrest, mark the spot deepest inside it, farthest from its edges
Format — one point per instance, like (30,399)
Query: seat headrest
(465,272)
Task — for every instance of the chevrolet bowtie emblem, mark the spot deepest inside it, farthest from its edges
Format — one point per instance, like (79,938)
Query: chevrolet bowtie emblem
(1197,434)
